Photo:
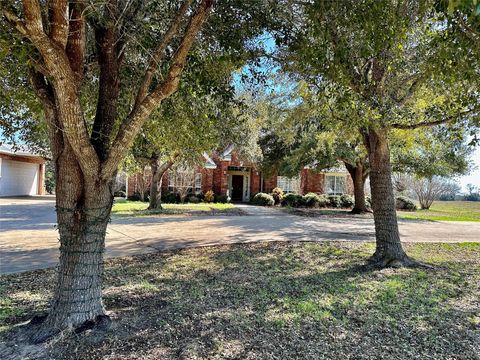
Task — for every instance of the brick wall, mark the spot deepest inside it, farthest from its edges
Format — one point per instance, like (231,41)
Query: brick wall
(255,179)
(312,181)
(269,183)
(207,180)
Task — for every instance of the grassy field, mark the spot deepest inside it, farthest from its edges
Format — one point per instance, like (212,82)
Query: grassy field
(272,301)
(138,208)
(446,211)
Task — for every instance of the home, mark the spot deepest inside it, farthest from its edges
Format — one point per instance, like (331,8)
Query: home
(22,172)
(225,174)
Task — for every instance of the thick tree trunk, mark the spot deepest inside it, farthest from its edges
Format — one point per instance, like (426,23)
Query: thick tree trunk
(158,170)
(357,172)
(389,251)
(83,212)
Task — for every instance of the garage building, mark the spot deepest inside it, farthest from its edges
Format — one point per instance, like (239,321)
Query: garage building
(22,173)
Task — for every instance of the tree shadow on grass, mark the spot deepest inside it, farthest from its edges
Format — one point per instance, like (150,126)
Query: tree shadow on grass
(281,300)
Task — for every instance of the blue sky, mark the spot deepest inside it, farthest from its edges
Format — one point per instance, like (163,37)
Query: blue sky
(474,176)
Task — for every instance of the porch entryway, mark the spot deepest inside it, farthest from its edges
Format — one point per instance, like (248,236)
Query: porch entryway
(238,183)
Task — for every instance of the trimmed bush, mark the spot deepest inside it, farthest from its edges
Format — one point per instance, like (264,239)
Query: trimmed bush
(277,195)
(192,198)
(334,201)
(313,200)
(346,201)
(119,193)
(405,203)
(170,198)
(134,197)
(263,199)
(252,196)
(293,200)
(209,196)
(223,199)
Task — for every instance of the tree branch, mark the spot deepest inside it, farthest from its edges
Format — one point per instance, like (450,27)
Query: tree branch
(159,53)
(15,21)
(76,39)
(58,16)
(431,123)
(137,116)
(68,105)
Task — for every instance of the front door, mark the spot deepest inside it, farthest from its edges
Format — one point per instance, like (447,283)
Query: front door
(237,187)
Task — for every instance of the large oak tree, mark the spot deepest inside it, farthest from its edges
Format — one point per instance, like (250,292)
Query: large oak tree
(397,64)
(99,69)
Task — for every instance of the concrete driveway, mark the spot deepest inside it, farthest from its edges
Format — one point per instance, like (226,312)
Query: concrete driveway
(28,239)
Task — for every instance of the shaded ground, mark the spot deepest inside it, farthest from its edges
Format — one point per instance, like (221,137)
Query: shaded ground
(271,301)
(28,239)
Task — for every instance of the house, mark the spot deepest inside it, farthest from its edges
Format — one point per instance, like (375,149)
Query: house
(21,172)
(226,174)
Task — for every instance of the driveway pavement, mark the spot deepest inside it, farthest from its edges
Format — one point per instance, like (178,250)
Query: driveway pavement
(28,239)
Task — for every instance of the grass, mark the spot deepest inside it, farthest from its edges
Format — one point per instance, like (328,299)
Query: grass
(446,211)
(273,301)
(139,208)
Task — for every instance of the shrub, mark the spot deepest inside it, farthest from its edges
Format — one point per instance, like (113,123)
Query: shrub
(119,193)
(134,197)
(346,201)
(405,203)
(277,195)
(209,196)
(221,199)
(252,196)
(263,199)
(192,198)
(170,198)
(293,200)
(313,200)
(334,201)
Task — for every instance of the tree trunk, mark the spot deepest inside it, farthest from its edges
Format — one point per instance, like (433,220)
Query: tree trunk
(357,172)
(158,170)
(83,212)
(389,251)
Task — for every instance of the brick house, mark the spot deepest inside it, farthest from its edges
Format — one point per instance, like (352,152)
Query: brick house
(226,174)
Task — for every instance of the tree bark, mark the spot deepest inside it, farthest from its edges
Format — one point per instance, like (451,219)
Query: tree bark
(389,251)
(158,170)
(358,174)
(83,211)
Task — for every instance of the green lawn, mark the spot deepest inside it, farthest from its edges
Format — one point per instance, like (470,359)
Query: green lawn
(272,301)
(447,211)
(138,208)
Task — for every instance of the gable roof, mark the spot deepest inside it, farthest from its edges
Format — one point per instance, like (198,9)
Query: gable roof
(209,163)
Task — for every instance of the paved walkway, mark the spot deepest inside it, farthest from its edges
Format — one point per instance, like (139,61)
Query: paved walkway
(28,239)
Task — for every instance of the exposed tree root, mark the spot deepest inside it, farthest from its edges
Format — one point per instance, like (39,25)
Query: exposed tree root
(357,211)
(41,331)
(381,261)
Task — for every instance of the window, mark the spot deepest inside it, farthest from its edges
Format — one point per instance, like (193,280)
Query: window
(198,183)
(335,184)
(182,180)
(288,185)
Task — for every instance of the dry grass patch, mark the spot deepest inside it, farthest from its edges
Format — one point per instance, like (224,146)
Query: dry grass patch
(275,300)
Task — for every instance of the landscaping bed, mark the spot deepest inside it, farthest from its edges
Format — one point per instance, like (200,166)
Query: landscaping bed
(139,208)
(271,301)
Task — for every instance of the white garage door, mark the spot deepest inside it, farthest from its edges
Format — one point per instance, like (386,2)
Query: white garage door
(18,178)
